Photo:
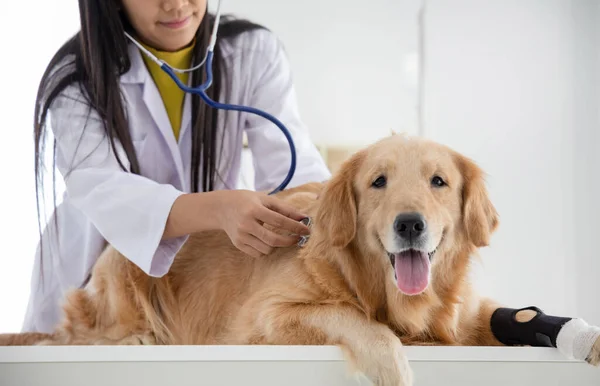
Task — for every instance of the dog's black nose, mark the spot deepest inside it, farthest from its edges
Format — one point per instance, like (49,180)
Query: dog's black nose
(410,225)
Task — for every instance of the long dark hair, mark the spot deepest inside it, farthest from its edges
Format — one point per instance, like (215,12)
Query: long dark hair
(94,59)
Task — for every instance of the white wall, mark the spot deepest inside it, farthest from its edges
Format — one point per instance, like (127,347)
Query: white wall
(586,132)
(514,84)
(25,55)
(353,62)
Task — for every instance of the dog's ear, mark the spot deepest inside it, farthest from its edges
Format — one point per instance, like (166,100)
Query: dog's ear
(480,218)
(338,211)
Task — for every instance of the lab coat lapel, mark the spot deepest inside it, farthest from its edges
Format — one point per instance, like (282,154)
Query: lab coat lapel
(155,106)
(186,119)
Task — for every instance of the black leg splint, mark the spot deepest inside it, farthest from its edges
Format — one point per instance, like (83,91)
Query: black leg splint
(541,331)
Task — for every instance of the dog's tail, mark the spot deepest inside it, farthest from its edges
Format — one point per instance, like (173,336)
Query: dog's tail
(24,339)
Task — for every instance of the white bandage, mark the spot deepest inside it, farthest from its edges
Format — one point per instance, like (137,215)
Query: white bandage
(576,338)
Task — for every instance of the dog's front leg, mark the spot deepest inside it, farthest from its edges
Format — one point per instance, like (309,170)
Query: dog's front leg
(370,347)
(494,324)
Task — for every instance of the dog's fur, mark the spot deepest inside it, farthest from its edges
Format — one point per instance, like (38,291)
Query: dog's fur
(339,289)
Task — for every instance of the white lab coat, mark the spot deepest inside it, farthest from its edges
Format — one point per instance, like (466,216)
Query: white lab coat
(104,204)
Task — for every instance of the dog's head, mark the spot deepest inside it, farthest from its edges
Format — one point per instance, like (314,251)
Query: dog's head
(407,202)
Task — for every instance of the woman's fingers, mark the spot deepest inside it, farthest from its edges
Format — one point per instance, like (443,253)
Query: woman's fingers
(280,221)
(258,245)
(249,251)
(273,239)
(283,208)
(244,244)
(255,238)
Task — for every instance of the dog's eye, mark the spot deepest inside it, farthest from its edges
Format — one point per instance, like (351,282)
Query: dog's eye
(379,182)
(438,182)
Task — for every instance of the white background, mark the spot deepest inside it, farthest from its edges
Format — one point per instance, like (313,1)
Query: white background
(512,83)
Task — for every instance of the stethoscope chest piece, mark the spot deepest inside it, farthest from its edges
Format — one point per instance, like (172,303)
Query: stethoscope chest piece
(304,239)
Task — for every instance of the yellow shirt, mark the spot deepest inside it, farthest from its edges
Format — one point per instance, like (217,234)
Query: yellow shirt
(171,95)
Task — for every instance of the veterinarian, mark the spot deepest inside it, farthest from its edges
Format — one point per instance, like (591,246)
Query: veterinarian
(144,164)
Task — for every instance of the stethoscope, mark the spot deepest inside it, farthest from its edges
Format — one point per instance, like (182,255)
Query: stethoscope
(201,91)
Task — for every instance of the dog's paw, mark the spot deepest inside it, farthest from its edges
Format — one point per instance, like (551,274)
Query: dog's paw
(387,365)
(594,356)
(402,369)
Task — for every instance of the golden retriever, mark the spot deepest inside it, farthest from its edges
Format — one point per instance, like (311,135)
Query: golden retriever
(386,265)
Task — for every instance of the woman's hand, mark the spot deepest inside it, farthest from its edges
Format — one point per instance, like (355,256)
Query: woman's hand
(242,214)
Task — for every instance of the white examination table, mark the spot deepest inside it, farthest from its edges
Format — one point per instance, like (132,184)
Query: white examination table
(279,366)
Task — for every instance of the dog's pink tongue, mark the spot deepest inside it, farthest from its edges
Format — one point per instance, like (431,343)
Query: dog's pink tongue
(412,271)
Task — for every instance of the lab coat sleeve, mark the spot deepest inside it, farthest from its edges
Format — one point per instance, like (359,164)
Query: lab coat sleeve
(272,90)
(129,211)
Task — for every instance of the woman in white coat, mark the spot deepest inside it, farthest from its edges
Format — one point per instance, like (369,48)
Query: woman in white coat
(144,164)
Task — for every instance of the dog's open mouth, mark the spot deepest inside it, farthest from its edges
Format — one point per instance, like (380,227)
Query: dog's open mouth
(412,268)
